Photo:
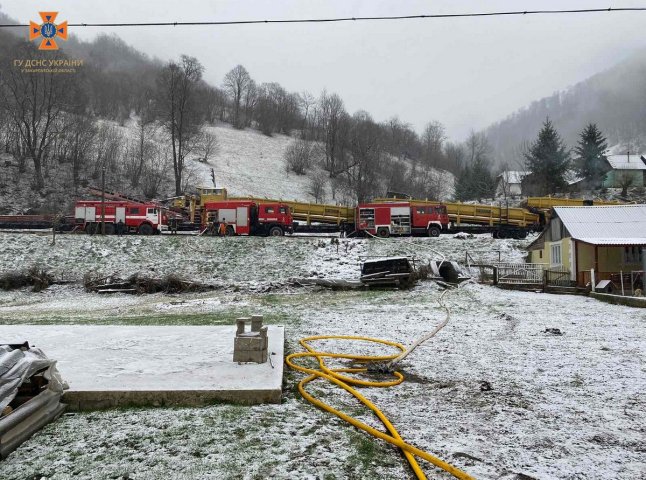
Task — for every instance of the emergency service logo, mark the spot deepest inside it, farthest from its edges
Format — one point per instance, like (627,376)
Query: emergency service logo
(48,30)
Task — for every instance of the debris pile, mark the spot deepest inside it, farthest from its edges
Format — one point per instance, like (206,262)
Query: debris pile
(35,277)
(138,284)
(30,395)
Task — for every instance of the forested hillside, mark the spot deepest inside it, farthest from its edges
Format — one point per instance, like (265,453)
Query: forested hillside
(615,100)
(151,127)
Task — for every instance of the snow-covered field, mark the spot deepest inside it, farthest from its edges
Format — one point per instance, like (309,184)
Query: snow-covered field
(232,261)
(567,406)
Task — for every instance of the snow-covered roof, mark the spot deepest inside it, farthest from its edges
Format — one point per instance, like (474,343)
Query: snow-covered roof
(606,225)
(623,162)
(571,177)
(513,176)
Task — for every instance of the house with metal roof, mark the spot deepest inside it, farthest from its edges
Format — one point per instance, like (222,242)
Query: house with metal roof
(596,242)
(627,168)
(508,183)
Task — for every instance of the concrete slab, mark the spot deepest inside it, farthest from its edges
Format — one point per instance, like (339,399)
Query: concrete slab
(115,366)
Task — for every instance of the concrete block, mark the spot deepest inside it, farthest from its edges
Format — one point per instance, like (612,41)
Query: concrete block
(256,323)
(248,343)
(255,355)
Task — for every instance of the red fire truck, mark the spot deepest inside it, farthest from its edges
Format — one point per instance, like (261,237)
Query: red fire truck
(245,217)
(401,218)
(142,218)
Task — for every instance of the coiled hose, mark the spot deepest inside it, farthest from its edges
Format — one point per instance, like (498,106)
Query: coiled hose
(334,375)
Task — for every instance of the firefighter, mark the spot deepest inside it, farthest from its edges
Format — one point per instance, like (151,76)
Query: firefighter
(120,227)
(223,227)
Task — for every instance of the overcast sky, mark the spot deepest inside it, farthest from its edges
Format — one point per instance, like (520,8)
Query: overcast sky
(464,72)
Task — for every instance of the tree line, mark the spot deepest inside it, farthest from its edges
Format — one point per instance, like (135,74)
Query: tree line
(55,121)
(58,122)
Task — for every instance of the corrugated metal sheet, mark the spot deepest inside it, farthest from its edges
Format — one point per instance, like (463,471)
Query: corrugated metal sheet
(606,225)
(20,364)
(622,162)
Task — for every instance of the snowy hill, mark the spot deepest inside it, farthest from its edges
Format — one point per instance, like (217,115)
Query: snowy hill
(250,163)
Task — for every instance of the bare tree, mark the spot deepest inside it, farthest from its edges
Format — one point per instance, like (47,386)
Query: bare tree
(206,146)
(455,157)
(154,173)
(306,101)
(316,187)
(75,144)
(334,124)
(367,155)
(178,110)
(236,83)
(432,139)
(35,104)
(298,156)
(108,148)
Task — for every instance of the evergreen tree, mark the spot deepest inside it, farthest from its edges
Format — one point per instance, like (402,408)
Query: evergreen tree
(548,160)
(591,162)
(463,189)
(483,183)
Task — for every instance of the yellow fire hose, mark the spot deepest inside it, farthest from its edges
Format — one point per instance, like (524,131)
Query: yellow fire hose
(334,375)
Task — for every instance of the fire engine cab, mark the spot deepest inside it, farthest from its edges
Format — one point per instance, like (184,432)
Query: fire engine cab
(401,218)
(142,218)
(245,217)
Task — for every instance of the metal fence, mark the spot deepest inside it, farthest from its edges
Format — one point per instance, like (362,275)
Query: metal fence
(530,274)
(520,273)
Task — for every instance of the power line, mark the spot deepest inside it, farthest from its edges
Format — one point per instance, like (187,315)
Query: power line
(353,19)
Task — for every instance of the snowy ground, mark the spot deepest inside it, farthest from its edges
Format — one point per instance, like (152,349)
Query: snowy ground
(565,406)
(240,262)
(250,163)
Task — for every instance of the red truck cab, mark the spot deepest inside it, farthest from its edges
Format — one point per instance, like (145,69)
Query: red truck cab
(401,218)
(142,218)
(246,217)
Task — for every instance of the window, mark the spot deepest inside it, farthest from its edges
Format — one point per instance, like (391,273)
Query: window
(269,209)
(134,211)
(283,210)
(633,254)
(152,211)
(421,210)
(540,254)
(366,217)
(556,254)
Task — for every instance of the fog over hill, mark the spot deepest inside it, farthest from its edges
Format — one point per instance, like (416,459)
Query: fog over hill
(614,99)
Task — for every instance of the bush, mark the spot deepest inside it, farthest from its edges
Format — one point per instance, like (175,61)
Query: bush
(298,156)
(38,278)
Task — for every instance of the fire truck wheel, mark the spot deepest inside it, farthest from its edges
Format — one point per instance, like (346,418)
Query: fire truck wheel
(434,231)
(90,228)
(145,229)
(383,233)
(229,231)
(276,232)
(109,228)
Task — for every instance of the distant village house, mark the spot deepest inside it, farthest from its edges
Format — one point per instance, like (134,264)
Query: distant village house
(508,183)
(625,169)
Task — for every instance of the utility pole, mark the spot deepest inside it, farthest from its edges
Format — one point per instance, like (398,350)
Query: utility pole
(103,201)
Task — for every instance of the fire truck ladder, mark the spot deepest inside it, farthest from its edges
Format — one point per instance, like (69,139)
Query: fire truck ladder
(113,196)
